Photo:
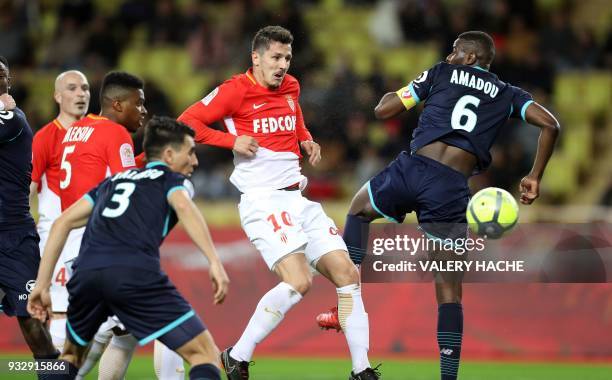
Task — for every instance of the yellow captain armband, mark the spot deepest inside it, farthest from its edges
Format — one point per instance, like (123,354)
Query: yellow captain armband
(407,96)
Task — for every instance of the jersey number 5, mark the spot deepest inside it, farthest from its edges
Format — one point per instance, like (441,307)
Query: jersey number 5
(65,166)
(461,110)
(122,198)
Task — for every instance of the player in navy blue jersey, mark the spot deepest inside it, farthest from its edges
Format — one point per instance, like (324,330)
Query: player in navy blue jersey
(118,269)
(465,105)
(19,253)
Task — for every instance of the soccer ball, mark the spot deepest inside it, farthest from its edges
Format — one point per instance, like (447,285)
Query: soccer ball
(492,212)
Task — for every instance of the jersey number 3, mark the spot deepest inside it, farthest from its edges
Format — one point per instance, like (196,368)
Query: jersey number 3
(460,111)
(122,198)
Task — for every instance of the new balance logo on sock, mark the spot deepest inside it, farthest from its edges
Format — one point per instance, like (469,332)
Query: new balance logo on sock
(446,351)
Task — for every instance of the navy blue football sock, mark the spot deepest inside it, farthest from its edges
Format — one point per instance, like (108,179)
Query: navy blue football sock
(356,237)
(450,336)
(204,372)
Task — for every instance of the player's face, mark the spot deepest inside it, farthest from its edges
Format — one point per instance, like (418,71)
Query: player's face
(73,95)
(184,160)
(5,79)
(271,66)
(134,111)
(462,53)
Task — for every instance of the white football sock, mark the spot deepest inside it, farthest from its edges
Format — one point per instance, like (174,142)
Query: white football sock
(270,311)
(116,357)
(354,322)
(98,345)
(57,329)
(168,364)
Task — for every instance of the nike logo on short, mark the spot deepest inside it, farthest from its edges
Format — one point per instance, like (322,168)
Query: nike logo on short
(257,106)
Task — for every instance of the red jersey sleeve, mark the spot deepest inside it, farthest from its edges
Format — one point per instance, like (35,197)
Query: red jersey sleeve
(40,157)
(222,101)
(141,160)
(300,127)
(120,151)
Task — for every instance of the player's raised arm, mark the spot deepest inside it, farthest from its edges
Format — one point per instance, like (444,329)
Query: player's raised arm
(537,115)
(221,102)
(74,217)
(196,228)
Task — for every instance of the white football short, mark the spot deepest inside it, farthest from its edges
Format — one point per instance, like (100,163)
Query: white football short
(62,271)
(280,222)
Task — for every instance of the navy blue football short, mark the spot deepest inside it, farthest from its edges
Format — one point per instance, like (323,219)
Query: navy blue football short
(19,261)
(437,193)
(146,303)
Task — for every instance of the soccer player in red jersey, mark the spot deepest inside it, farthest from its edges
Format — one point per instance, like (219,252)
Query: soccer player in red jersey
(92,149)
(265,129)
(72,95)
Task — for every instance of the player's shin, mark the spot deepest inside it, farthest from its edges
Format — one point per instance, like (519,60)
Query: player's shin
(116,357)
(356,237)
(168,364)
(450,337)
(270,311)
(354,322)
(98,345)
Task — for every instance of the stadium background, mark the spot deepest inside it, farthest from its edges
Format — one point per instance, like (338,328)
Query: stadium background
(347,54)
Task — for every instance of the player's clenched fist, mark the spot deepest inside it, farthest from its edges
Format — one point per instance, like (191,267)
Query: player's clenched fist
(8,102)
(220,281)
(246,145)
(313,150)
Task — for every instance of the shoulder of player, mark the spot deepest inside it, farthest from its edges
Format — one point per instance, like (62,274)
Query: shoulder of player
(291,83)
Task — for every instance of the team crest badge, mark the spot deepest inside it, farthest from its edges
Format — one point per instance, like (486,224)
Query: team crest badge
(291,103)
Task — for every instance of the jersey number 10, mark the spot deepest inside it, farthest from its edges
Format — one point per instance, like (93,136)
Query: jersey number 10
(461,110)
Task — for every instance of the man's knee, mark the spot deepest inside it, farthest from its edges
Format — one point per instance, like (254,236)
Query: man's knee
(345,275)
(301,284)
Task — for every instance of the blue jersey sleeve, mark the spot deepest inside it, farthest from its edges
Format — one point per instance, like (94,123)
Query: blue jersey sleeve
(176,182)
(521,99)
(10,126)
(92,195)
(421,86)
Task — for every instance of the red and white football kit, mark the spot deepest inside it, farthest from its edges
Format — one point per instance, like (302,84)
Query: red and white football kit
(92,149)
(277,221)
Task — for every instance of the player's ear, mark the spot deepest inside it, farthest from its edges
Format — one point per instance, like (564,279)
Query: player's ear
(57,96)
(117,106)
(255,58)
(470,59)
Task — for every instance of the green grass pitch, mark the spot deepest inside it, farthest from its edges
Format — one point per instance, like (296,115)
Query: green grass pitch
(268,368)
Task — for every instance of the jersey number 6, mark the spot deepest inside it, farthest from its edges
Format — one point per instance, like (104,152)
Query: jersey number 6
(461,110)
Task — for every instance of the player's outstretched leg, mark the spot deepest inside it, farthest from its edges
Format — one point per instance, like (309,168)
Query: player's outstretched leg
(356,229)
(450,325)
(353,319)
(167,363)
(296,278)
